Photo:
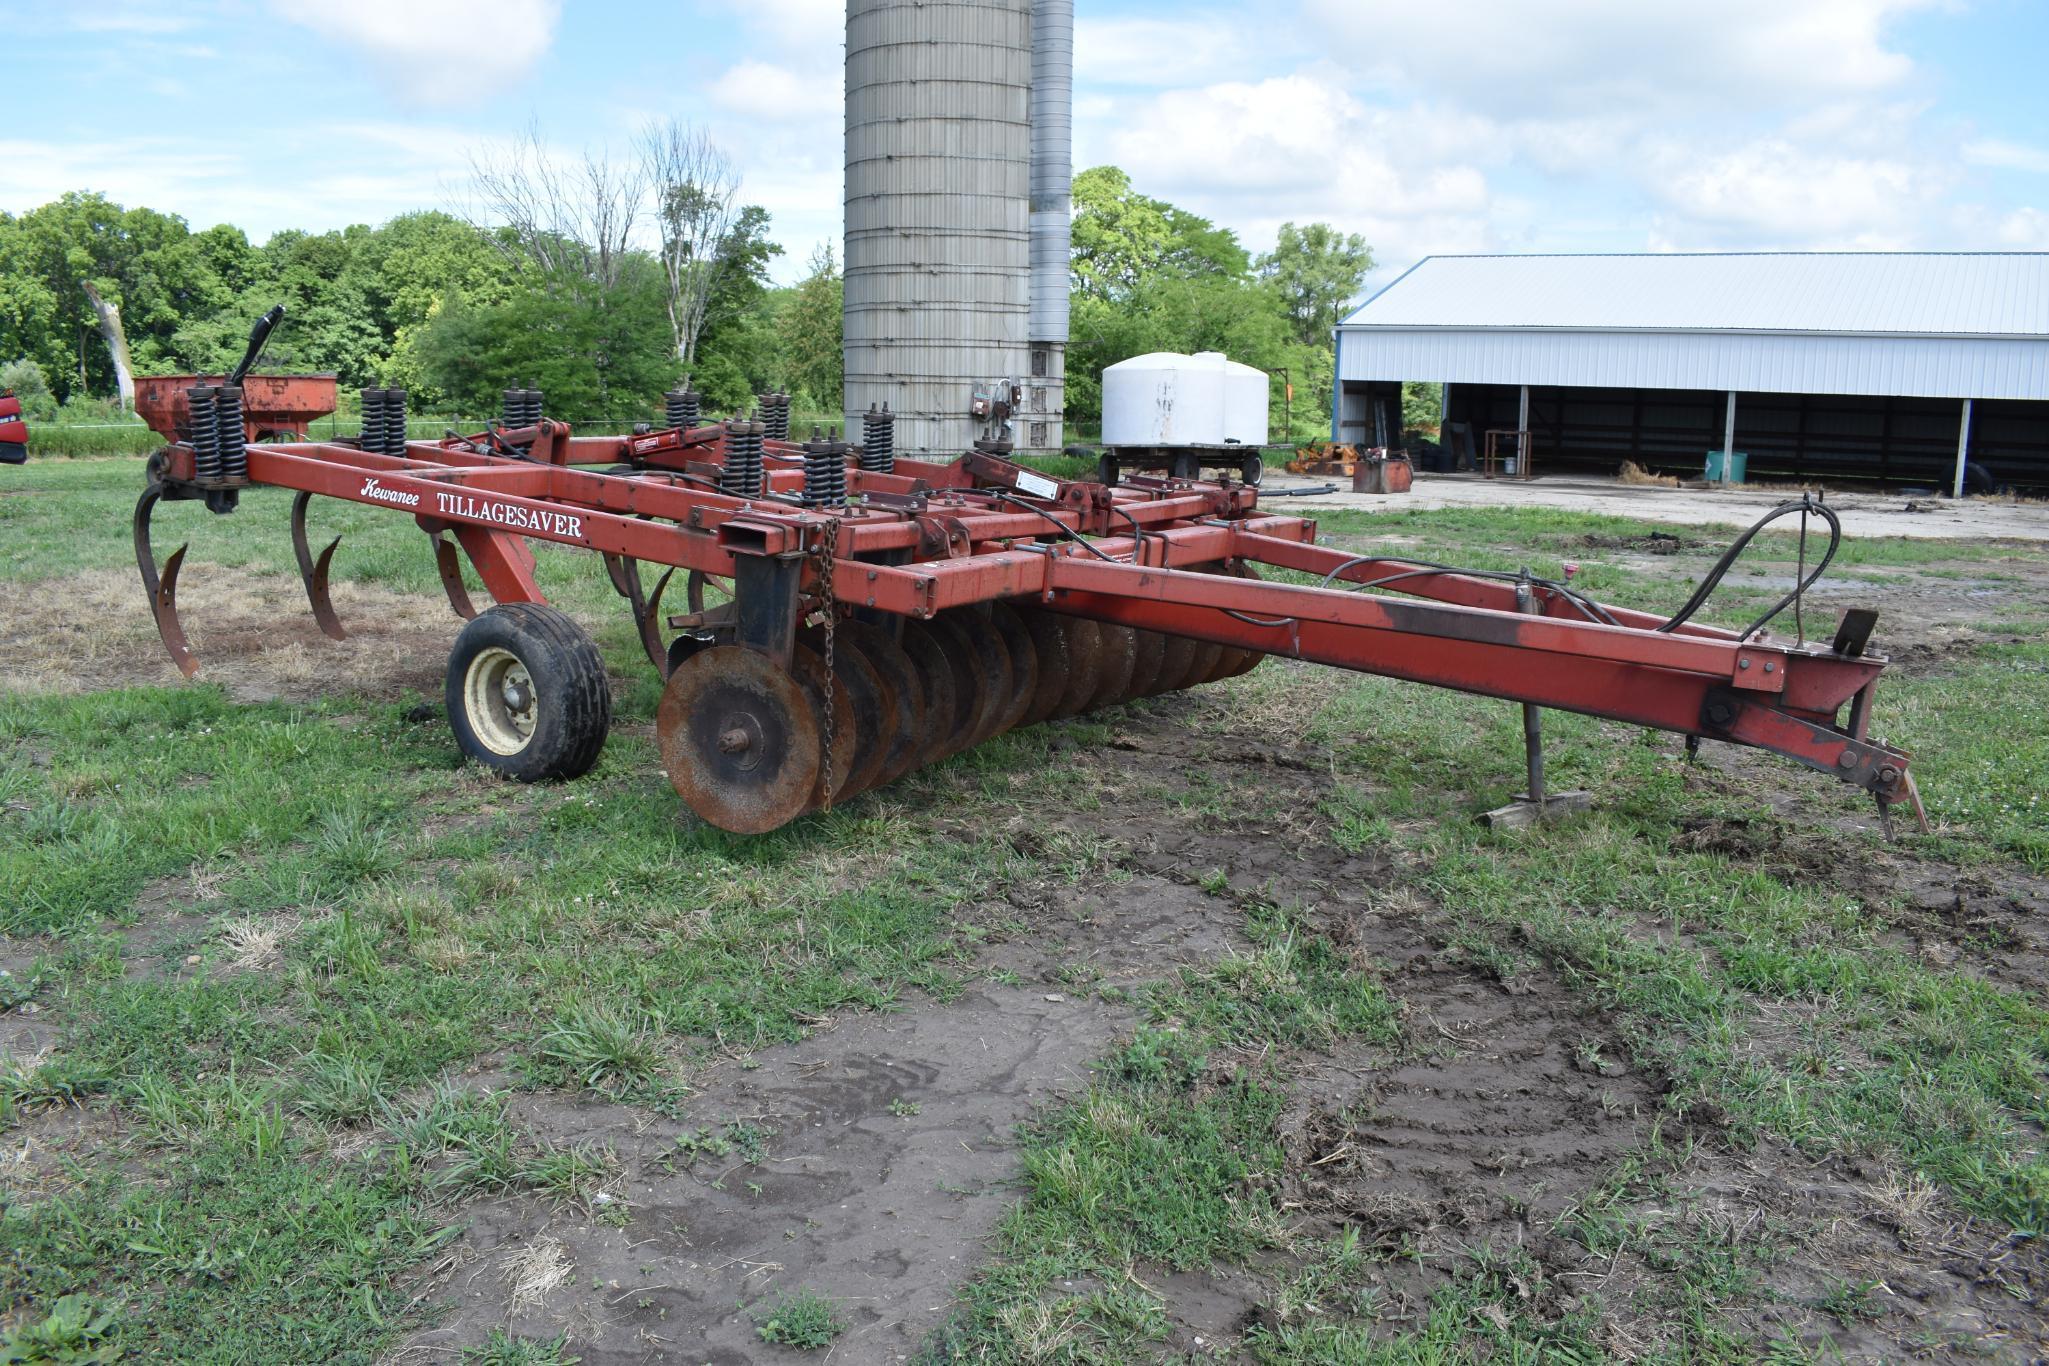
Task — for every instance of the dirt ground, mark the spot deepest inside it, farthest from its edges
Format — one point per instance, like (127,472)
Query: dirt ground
(1863,514)
(873,1160)
(252,633)
(1505,1104)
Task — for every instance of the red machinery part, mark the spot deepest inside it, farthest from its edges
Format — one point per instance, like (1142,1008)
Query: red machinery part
(13,431)
(1117,593)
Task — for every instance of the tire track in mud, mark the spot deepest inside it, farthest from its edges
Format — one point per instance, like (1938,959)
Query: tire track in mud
(1510,1100)
(888,1153)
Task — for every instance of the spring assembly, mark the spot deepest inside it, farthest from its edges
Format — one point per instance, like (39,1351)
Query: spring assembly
(775,416)
(679,408)
(394,422)
(742,475)
(522,408)
(229,439)
(825,471)
(878,440)
(206,446)
(371,438)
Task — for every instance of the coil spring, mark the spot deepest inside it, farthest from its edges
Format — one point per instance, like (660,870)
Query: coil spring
(672,409)
(371,438)
(741,476)
(775,416)
(533,407)
(878,440)
(395,422)
(512,408)
(229,438)
(825,471)
(206,446)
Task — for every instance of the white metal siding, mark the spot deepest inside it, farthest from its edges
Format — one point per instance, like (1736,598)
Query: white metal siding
(1927,367)
(1925,293)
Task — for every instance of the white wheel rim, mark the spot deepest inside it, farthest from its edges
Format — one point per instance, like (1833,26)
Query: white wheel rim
(498,700)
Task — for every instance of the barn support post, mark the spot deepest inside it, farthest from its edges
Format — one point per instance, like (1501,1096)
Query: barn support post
(1963,451)
(1729,440)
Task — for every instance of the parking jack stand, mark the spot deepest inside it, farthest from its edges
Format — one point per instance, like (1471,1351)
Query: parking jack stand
(1534,805)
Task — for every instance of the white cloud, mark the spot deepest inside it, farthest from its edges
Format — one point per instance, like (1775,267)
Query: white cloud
(2012,156)
(1300,147)
(1189,49)
(1511,56)
(2026,229)
(1774,193)
(431,51)
(777,94)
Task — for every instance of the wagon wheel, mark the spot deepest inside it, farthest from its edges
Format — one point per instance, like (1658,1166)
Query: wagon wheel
(527,694)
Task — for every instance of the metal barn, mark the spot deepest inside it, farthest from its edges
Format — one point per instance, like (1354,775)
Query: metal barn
(1900,367)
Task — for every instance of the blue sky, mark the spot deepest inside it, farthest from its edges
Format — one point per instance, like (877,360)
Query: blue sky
(1453,125)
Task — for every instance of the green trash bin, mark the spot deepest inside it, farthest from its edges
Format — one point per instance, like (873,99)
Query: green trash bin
(1738,461)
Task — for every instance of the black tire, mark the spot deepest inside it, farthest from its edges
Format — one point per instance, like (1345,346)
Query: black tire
(560,729)
(1106,469)
(1251,470)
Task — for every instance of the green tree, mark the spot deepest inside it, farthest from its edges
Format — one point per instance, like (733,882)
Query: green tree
(1123,239)
(809,325)
(597,354)
(24,379)
(1316,270)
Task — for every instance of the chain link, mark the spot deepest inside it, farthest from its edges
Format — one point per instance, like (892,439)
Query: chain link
(828,555)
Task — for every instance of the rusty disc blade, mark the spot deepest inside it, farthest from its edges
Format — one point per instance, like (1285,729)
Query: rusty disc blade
(1208,654)
(853,680)
(1049,651)
(1150,653)
(1116,657)
(1084,648)
(740,740)
(808,666)
(935,681)
(1024,665)
(993,687)
(900,681)
(1178,654)
(874,713)
(952,641)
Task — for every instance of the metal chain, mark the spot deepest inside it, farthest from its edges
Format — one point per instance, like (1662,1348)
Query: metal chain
(828,555)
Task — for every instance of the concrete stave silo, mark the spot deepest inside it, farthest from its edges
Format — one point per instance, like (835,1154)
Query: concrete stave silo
(938,148)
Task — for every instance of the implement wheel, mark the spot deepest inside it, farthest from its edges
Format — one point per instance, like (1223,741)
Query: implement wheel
(740,739)
(527,694)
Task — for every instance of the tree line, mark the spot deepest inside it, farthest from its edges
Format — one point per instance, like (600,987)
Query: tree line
(604,284)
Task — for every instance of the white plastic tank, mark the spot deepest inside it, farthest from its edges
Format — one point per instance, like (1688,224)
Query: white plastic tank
(1168,399)
(1246,394)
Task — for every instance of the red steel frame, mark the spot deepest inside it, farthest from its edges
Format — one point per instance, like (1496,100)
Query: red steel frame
(931,537)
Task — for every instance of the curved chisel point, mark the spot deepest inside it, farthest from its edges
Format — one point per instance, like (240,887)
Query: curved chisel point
(166,607)
(615,566)
(446,561)
(162,590)
(312,573)
(648,617)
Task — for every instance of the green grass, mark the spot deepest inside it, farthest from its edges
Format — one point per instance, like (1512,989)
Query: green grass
(591,941)
(805,1320)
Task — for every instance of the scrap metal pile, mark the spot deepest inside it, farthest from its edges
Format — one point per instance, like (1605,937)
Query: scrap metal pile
(853,614)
